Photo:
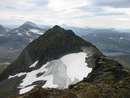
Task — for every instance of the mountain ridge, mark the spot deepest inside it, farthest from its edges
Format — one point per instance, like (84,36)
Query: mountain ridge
(64,39)
(50,61)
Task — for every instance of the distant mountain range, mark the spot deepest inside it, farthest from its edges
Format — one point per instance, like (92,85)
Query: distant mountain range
(113,44)
(12,41)
(109,41)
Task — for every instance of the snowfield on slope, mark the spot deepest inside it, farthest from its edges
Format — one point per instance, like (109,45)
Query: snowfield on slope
(59,73)
(36,31)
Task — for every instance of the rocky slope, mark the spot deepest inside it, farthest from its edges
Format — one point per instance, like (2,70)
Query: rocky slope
(56,59)
(107,80)
(2,30)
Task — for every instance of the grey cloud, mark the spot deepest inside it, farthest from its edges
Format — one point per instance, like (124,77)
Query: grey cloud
(41,2)
(33,4)
(109,13)
(99,11)
(91,9)
(113,3)
(10,7)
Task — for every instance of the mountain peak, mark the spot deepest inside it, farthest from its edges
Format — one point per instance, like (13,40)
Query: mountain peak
(1,26)
(47,62)
(57,30)
(29,24)
(53,44)
(2,29)
(57,27)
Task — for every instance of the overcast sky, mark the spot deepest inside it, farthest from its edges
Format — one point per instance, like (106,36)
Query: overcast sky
(81,13)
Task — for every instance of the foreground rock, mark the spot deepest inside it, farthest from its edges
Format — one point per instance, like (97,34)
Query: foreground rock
(107,80)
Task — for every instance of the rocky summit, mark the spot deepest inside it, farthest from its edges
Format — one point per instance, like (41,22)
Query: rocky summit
(60,64)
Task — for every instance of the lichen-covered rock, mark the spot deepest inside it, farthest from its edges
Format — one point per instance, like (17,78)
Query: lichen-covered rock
(107,70)
(38,92)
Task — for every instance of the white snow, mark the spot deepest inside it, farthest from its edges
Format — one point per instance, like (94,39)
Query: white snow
(49,83)
(32,76)
(27,89)
(111,38)
(31,24)
(16,31)
(17,75)
(30,40)
(121,38)
(20,34)
(61,72)
(34,64)
(36,31)
(76,65)
(28,33)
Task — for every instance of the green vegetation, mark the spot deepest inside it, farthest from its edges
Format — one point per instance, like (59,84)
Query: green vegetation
(9,87)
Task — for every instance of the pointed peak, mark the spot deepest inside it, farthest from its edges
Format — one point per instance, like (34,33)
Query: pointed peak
(59,31)
(2,28)
(56,27)
(29,24)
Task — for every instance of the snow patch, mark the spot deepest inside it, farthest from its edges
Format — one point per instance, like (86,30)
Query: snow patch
(49,83)
(62,72)
(27,89)
(32,77)
(121,38)
(36,31)
(30,40)
(76,66)
(34,64)
(28,33)
(16,31)
(17,75)
(19,34)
